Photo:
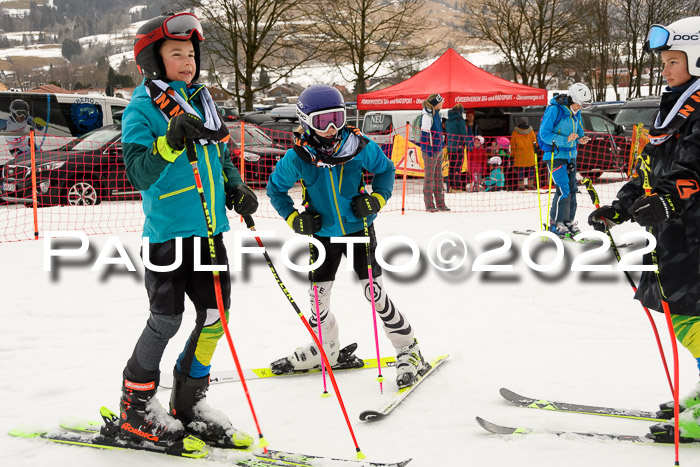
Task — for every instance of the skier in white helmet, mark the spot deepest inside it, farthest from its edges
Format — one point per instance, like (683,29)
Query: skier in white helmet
(559,135)
(668,204)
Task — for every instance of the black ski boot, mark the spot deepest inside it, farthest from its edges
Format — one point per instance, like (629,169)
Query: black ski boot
(142,418)
(188,404)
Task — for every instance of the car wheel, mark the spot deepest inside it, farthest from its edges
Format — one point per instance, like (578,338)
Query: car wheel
(82,193)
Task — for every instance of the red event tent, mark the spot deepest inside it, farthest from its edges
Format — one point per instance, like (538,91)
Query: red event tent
(459,82)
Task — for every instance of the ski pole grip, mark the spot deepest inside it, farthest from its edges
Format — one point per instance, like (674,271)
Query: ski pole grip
(191,153)
(249,222)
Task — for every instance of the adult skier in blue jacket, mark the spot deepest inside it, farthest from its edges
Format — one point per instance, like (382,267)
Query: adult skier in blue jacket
(167,109)
(328,158)
(559,135)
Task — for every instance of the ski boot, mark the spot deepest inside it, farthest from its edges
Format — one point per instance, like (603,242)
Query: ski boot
(560,229)
(573,228)
(142,418)
(308,357)
(688,424)
(690,400)
(410,365)
(188,404)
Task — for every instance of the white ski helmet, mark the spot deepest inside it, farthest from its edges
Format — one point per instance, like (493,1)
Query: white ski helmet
(495,160)
(683,35)
(580,94)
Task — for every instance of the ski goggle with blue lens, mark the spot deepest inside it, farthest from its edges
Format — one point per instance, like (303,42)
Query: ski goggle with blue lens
(322,120)
(661,38)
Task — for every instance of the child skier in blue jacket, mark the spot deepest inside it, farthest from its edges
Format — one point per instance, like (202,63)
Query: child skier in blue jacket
(328,158)
(167,109)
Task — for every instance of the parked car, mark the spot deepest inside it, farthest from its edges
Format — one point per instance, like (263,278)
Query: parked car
(260,153)
(84,172)
(609,109)
(639,110)
(228,114)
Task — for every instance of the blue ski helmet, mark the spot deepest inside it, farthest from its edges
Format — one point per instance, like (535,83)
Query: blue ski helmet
(319,107)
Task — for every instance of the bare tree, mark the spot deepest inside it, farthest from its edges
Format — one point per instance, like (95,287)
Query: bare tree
(244,35)
(363,36)
(531,34)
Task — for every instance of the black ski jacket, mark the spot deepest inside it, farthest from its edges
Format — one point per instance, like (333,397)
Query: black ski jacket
(675,170)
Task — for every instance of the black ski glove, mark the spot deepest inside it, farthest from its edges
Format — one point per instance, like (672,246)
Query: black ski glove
(242,200)
(306,223)
(654,209)
(365,205)
(181,127)
(605,217)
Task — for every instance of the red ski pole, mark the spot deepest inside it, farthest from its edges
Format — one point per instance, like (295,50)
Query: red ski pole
(251,225)
(192,158)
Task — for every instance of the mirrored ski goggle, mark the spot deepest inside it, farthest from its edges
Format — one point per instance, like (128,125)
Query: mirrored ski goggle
(658,39)
(322,120)
(178,27)
(21,112)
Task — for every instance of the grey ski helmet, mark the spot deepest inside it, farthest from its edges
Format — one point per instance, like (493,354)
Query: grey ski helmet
(151,35)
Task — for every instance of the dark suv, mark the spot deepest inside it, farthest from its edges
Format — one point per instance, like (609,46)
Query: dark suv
(607,151)
(84,172)
(639,110)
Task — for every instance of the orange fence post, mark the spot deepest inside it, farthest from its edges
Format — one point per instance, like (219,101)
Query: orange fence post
(405,170)
(34,202)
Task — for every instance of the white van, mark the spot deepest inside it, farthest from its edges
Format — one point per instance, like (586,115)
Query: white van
(381,125)
(62,115)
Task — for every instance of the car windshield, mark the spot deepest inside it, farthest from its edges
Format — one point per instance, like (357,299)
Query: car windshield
(630,116)
(253,135)
(94,139)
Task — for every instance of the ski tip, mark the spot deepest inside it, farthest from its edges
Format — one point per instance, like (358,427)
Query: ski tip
(495,429)
(27,431)
(371,415)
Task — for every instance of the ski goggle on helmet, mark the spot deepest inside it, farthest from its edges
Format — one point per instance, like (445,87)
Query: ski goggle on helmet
(662,38)
(179,27)
(322,120)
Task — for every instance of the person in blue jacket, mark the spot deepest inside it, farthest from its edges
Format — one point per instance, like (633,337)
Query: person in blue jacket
(167,109)
(456,139)
(559,135)
(431,146)
(496,181)
(328,158)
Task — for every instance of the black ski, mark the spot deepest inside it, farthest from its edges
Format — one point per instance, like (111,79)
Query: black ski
(399,395)
(554,406)
(570,239)
(88,433)
(506,430)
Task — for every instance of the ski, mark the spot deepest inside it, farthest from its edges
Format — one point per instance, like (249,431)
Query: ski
(570,239)
(506,430)
(84,432)
(220,377)
(400,395)
(554,406)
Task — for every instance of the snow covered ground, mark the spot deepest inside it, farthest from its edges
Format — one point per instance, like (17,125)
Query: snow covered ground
(571,336)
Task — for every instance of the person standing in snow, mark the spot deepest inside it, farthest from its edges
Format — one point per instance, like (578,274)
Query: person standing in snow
(562,131)
(431,146)
(328,157)
(670,210)
(456,139)
(522,145)
(168,108)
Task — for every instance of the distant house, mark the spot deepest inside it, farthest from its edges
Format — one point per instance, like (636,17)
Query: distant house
(51,89)
(285,93)
(219,95)
(375,84)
